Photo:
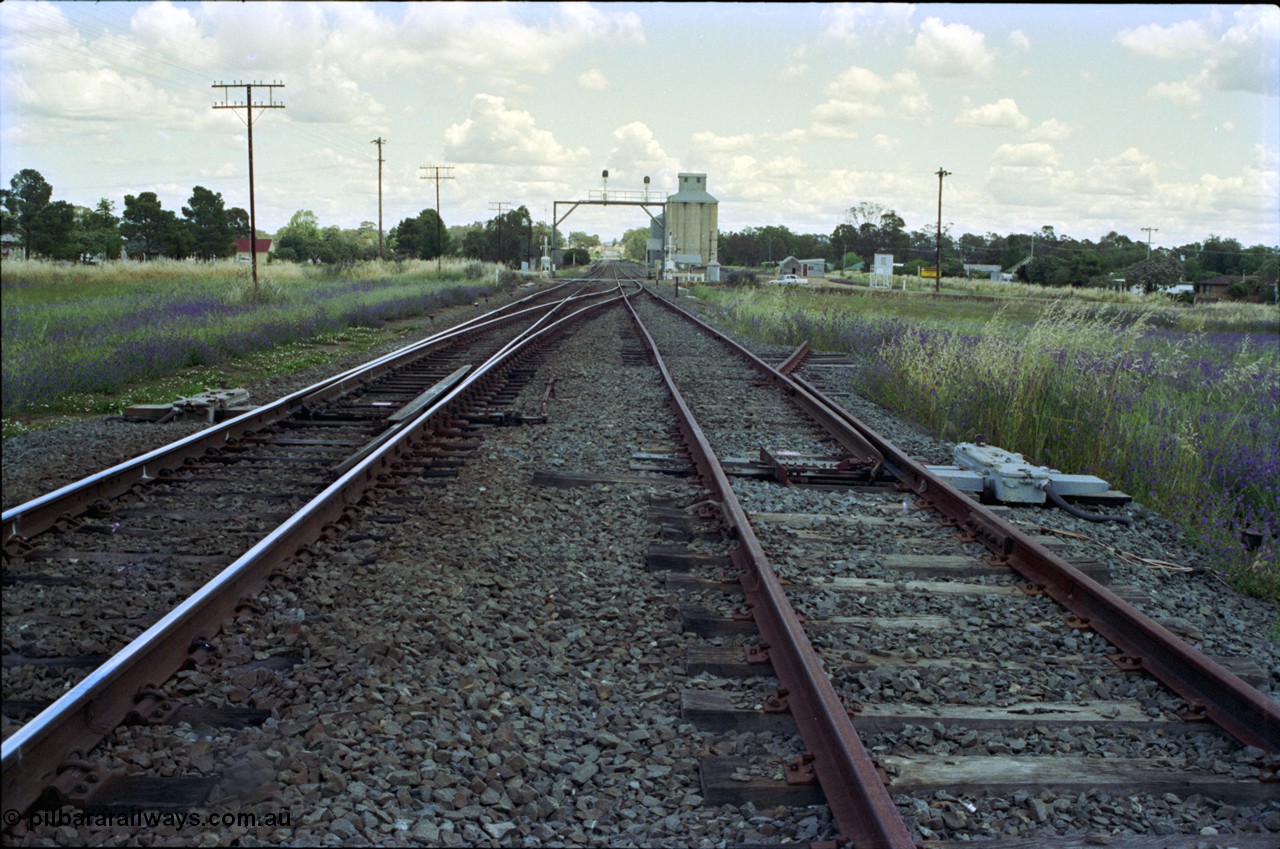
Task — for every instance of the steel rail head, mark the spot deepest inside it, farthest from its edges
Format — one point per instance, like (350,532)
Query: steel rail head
(77,721)
(797,358)
(858,798)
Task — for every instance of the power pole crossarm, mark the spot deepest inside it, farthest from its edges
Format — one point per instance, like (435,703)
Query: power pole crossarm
(248,106)
(1149,231)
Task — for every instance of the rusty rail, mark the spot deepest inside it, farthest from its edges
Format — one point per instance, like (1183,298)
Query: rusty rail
(1209,689)
(73,725)
(859,801)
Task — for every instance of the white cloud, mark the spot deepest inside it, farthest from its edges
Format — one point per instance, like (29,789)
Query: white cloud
(885,142)
(1003,113)
(1130,173)
(494,134)
(1185,93)
(1018,40)
(1245,58)
(636,153)
(493,38)
(1248,54)
(855,95)
(1182,40)
(951,50)
(1026,155)
(856,23)
(593,80)
(1050,131)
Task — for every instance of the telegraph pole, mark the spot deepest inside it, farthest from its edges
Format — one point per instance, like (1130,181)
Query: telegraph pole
(937,271)
(248,107)
(1149,231)
(498,205)
(379,141)
(438,173)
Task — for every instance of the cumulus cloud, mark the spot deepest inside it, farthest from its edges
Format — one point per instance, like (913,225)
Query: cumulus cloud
(495,134)
(1050,131)
(1244,58)
(1018,40)
(860,94)
(1003,113)
(856,23)
(1176,41)
(951,50)
(593,80)
(636,152)
(1026,155)
(1129,173)
(496,38)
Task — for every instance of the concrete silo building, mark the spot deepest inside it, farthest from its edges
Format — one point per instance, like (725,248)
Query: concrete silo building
(689,226)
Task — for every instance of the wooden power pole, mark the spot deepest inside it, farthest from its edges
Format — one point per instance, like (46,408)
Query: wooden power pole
(379,141)
(248,107)
(438,173)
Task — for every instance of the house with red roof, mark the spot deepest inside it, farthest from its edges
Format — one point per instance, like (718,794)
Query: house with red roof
(243,254)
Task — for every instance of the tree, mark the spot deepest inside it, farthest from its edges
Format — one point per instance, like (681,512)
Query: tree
(582,240)
(208,225)
(337,247)
(421,237)
(145,224)
(54,231)
(299,240)
(635,244)
(26,200)
(98,231)
(508,236)
(1155,273)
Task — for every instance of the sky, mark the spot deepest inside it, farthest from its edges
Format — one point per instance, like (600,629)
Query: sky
(1084,118)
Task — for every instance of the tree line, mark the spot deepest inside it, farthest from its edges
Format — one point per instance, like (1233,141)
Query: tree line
(57,230)
(207,230)
(1042,257)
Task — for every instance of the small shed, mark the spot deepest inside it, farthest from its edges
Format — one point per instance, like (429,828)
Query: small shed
(790,265)
(813,267)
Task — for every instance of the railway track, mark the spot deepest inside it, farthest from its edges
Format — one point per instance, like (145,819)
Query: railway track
(483,660)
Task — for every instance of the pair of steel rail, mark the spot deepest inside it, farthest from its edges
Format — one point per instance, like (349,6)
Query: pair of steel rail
(50,751)
(859,801)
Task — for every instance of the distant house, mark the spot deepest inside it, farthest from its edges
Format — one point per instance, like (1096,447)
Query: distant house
(1216,287)
(816,267)
(803,267)
(243,253)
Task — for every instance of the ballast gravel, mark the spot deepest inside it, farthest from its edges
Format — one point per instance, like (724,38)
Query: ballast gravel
(492,665)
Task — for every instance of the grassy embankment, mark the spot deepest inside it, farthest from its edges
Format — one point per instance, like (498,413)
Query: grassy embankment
(92,339)
(1178,406)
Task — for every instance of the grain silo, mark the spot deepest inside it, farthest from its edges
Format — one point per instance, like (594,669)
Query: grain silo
(692,218)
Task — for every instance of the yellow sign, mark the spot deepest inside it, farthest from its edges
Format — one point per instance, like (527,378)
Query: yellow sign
(929,272)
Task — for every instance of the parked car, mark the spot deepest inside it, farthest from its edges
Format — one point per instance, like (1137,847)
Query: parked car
(788,279)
